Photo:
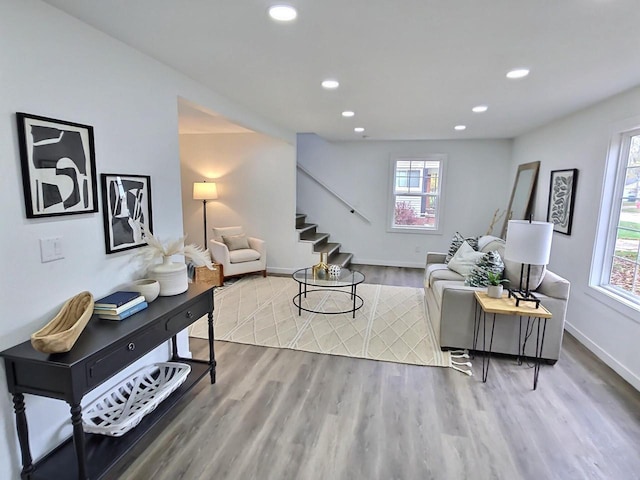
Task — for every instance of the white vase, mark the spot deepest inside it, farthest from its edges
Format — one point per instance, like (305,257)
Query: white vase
(494,291)
(171,276)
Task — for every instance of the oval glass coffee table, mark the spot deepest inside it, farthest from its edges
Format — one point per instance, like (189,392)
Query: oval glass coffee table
(322,283)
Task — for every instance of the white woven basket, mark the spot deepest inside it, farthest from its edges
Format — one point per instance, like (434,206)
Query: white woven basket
(120,409)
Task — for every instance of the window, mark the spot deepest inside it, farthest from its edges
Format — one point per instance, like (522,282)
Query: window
(408,179)
(620,261)
(416,193)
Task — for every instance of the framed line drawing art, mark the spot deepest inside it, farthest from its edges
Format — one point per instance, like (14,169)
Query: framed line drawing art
(58,166)
(126,205)
(562,194)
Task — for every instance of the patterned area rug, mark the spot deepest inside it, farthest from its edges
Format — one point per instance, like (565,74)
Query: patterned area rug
(391,326)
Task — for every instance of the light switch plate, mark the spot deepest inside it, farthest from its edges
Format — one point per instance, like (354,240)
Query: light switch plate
(51,249)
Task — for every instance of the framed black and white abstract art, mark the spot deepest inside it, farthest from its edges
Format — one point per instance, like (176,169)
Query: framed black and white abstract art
(562,195)
(126,206)
(58,166)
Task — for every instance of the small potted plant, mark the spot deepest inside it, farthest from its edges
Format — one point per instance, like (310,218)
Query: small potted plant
(494,289)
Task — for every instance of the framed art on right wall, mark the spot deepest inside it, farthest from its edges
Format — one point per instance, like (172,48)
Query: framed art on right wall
(562,194)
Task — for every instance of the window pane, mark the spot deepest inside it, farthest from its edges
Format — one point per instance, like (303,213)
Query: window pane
(636,286)
(402,181)
(405,212)
(409,181)
(630,215)
(431,208)
(631,184)
(634,151)
(627,243)
(431,180)
(417,176)
(415,210)
(623,273)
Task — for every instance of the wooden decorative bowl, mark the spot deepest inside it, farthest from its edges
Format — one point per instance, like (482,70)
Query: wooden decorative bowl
(61,333)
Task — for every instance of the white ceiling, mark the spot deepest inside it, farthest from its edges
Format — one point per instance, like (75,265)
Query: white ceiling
(410,69)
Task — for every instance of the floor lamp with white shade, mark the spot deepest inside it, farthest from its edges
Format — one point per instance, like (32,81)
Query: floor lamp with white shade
(205,191)
(528,243)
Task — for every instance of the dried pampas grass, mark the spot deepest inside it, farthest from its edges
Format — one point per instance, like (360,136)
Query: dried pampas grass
(155,249)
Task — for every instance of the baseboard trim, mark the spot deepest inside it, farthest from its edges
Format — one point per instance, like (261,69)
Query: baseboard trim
(385,263)
(620,369)
(281,271)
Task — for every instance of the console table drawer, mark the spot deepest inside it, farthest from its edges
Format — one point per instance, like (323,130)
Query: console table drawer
(122,355)
(187,316)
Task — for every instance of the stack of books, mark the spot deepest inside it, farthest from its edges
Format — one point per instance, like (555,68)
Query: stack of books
(119,305)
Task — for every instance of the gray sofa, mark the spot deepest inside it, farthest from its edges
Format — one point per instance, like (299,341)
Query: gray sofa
(451,308)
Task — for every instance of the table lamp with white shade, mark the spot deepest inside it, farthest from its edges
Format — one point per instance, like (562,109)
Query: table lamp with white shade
(528,243)
(205,191)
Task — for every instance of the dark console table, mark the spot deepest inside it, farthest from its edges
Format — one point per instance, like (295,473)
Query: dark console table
(103,349)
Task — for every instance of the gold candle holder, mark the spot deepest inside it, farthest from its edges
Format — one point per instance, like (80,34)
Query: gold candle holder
(321,270)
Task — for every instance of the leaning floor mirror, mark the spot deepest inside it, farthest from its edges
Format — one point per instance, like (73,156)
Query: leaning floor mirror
(521,201)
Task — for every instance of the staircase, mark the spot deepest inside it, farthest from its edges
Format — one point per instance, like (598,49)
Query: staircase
(307,232)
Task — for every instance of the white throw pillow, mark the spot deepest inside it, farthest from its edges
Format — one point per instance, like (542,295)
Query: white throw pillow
(488,243)
(456,241)
(465,259)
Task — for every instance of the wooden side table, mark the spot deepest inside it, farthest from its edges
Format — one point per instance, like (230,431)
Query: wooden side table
(507,306)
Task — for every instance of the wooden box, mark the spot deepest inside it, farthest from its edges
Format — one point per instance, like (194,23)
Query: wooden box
(212,277)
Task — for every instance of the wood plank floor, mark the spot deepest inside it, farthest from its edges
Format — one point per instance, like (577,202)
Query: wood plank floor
(283,414)
(405,277)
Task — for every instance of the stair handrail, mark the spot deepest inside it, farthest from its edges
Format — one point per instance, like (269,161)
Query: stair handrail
(352,209)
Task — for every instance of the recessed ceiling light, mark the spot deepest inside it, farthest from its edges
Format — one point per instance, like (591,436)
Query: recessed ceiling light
(518,73)
(348,113)
(479,108)
(358,129)
(330,84)
(460,127)
(283,13)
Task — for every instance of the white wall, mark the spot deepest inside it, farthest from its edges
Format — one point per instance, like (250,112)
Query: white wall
(476,184)
(53,65)
(581,141)
(255,176)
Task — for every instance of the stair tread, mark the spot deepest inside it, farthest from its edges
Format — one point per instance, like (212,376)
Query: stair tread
(343,259)
(305,226)
(313,237)
(326,247)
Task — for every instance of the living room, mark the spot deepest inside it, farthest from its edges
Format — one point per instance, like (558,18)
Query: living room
(57,66)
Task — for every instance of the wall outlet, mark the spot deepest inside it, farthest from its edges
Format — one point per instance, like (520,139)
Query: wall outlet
(51,249)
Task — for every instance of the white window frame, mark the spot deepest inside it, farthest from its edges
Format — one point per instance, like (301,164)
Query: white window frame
(431,157)
(604,246)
